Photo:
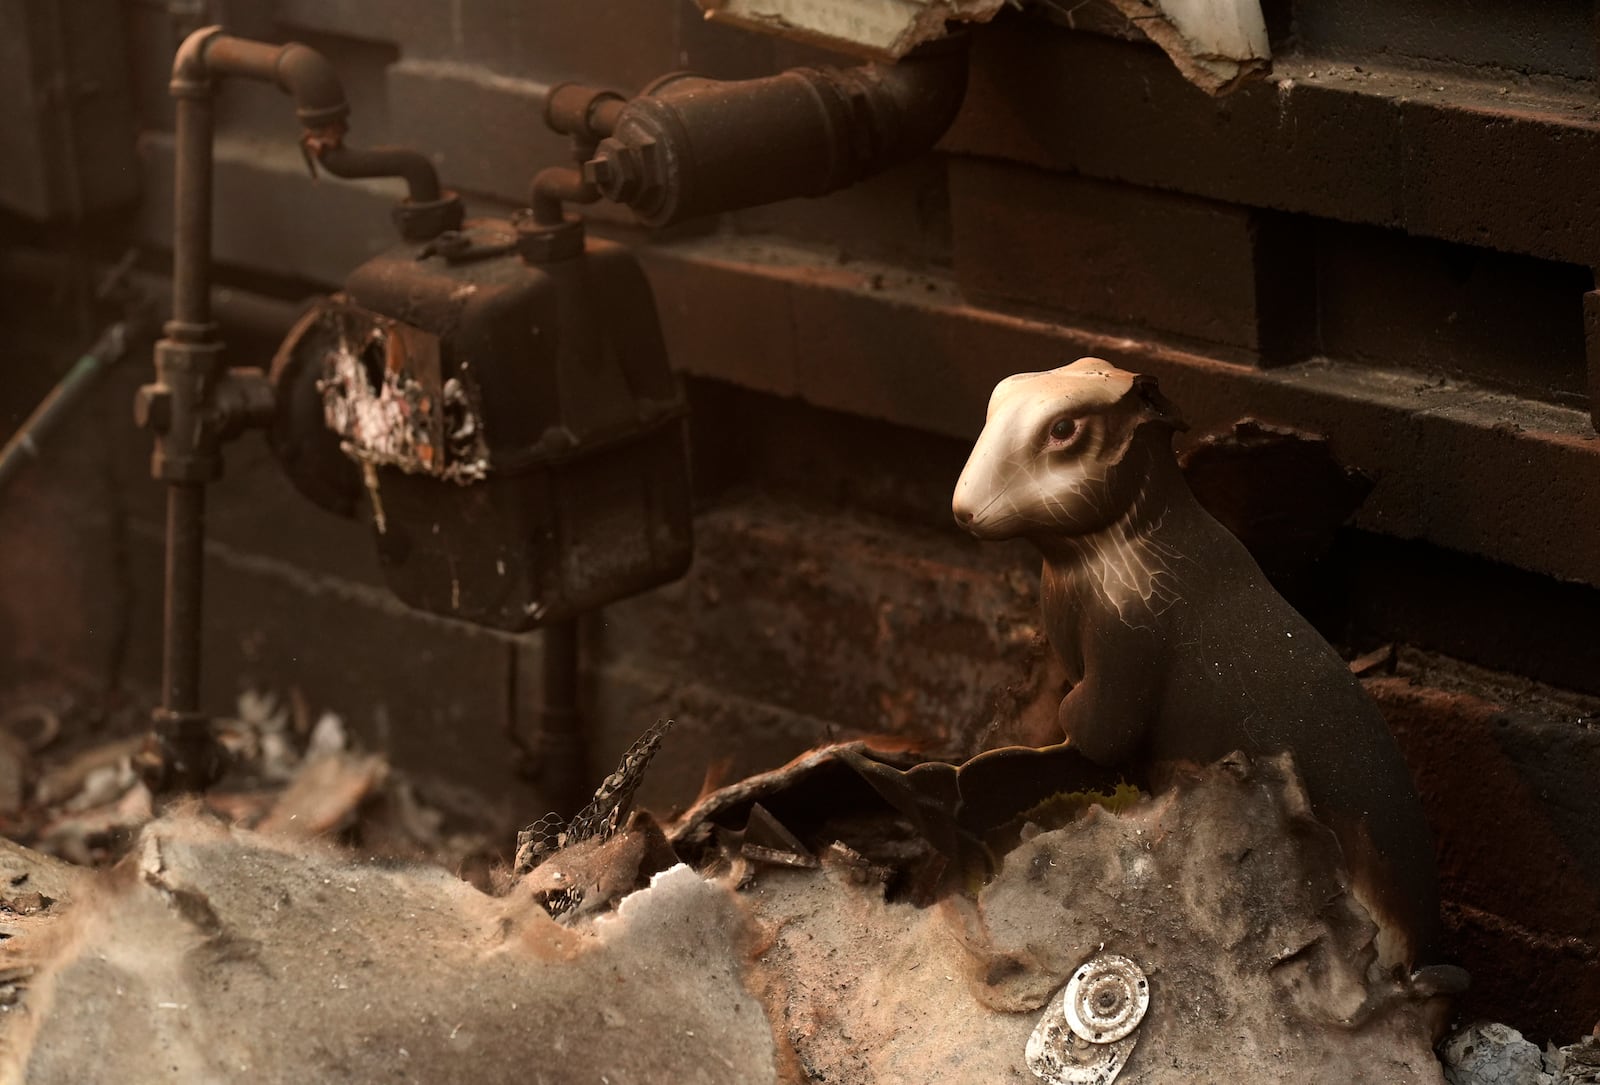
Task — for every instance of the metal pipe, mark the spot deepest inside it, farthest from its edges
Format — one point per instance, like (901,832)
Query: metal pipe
(68,393)
(194,405)
(319,100)
(175,407)
(187,757)
(185,565)
(422,181)
(587,113)
(689,146)
(554,186)
(298,70)
(559,744)
(191,229)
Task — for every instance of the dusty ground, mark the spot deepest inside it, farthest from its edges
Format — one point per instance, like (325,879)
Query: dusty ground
(212,953)
(1256,958)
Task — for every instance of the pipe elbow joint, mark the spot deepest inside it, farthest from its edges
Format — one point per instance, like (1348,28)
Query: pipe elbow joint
(924,92)
(191,76)
(306,76)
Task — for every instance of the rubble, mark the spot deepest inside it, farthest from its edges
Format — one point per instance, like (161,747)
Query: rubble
(1221,891)
(1488,1053)
(212,951)
(1575,1064)
(290,774)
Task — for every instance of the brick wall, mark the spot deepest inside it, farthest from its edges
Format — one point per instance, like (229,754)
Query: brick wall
(1389,243)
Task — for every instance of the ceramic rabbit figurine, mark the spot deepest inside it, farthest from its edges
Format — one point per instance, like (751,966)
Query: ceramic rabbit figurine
(1178,649)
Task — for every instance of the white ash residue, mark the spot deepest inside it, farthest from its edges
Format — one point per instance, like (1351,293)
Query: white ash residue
(396,420)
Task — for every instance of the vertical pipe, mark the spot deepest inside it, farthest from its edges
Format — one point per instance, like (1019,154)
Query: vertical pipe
(191,231)
(191,314)
(183,731)
(561,749)
(180,657)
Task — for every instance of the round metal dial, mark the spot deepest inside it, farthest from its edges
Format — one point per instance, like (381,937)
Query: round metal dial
(1106,998)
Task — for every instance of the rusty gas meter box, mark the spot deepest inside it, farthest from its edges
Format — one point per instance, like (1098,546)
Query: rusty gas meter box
(519,435)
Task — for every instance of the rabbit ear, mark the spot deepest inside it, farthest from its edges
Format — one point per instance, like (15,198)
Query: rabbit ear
(1157,406)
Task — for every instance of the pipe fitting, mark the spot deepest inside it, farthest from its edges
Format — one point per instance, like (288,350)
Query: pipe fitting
(244,399)
(586,113)
(554,186)
(177,410)
(687,146)
(421,220)
(548,242)
(191,78)
(307,77)
(180,754)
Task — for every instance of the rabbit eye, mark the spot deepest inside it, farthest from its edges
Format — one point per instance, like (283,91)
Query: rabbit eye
(1063,428)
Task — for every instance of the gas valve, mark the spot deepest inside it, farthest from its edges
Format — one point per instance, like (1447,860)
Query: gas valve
(508,408)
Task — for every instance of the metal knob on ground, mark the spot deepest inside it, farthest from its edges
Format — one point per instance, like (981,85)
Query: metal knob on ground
(1086,1037)
(1106,999)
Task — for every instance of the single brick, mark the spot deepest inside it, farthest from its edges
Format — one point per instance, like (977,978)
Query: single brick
(1412,302)
(1503,176)
(1213,272)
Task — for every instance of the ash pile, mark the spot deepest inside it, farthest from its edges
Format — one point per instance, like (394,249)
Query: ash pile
(809,924)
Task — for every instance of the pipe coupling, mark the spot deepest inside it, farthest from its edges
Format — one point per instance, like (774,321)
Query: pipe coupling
(175,409)
(191,410)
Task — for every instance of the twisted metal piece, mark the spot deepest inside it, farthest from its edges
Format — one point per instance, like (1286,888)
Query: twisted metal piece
(602,817)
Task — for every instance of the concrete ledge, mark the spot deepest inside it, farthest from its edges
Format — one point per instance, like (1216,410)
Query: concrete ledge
(1470,469)
(1443,156)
